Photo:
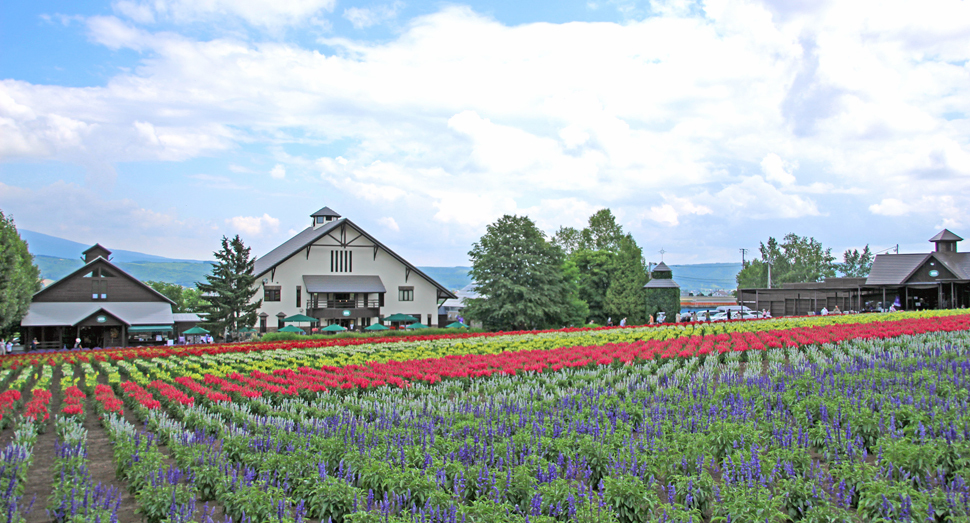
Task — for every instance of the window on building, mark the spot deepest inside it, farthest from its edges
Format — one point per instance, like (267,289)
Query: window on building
(104,290)
(341,261)
(94,290)
(262,325)
(299,295)
(271,294)
(405,294)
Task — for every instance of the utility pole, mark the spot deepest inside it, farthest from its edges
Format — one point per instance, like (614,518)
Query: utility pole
(769,261)
(743,252)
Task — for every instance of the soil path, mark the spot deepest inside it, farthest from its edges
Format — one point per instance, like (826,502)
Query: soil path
(40,478)
(101,462)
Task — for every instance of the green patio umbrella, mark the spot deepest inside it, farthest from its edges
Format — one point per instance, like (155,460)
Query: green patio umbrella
(456,325)
(196,330)
(299,318)
(417,326)
(401,318)
(335,327)
(291,328)
(247,329)
(376,327)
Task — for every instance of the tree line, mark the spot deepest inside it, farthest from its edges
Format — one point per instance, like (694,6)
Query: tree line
(527,280)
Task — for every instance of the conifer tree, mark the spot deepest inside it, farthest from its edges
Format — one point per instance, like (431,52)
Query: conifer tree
(624,298)
(229,289)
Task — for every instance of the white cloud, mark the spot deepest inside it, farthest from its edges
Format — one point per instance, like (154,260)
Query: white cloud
(389,223)
(776,170)
(363,17)
(890,207)
(752,197)
(254,225)
(278,171)
(669,212)
(267,14)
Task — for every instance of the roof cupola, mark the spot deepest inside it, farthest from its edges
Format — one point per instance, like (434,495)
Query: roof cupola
(946,241)
(324,216)
(94,252)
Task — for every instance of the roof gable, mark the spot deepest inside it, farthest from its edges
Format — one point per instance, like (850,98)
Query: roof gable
(88,267)
(924,273)
(894,269)
(326,211)
(310,235)
(946,236)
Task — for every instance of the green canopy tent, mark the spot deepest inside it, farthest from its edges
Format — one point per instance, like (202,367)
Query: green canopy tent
(400,318)
(247,329)
(291,328)
(456,325)
(417,326)
(300,318)
(333,328)
(196,330)
(376,327)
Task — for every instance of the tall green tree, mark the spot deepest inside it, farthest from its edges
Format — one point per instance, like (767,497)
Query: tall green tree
(624,297)
(229,289)
(796,259)
(602,233)
(19,276)
(576,310)
(595,275)
(519,276)
(568,239)
(856,264)
(186,299)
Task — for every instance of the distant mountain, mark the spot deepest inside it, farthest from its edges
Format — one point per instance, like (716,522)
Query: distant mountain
(704,277)
(182,273)
(40,244)
(453,278)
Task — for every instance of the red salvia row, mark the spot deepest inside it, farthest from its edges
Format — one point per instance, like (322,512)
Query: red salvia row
(140,395)
(37,406)
(171,393)
(202,390)
(109,402)
(73,402)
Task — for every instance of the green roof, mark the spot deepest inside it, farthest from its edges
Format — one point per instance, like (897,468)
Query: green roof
(400,317)
(300,318)
(149,328)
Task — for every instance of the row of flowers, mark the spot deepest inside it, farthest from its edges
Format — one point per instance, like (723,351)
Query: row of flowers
(575,336)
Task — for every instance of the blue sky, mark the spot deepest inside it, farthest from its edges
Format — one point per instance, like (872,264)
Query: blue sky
(706,126)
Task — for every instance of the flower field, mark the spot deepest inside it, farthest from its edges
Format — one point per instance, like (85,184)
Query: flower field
(859,418)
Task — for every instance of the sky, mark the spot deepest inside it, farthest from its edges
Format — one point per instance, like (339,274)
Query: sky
(705,126)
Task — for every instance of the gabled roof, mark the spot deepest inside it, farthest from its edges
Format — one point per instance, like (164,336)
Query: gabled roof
(660,283)
(87,267)
(896,269)
(97,246)
(946,236)
(326,211)
(309,235)
(55,313)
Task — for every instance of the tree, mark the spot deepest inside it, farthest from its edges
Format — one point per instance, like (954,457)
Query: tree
(520,278)
(595,274)
(856,264)
(602,233)
(624,297)
(19,276)
(567,238)
(229,289)
(576,309)
(797,259)
(186,300)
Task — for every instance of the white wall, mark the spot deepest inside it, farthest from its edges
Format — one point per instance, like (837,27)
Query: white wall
(290,273)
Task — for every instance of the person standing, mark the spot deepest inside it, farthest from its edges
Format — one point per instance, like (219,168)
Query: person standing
(623,322)
(77,343)
(33,345)
(9,346)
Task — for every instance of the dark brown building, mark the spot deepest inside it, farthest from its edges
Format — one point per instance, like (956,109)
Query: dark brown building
(103,306)
(935,280)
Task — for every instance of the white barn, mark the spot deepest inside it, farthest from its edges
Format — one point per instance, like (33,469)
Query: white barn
(335,271)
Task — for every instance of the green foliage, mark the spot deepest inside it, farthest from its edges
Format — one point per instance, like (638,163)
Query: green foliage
(595,274)
(577,310)
(663,299)
(602,233)
(568,239)
(230,289)
(519,276)
(186,300)
(19,277)
(798,259)
(624,297)
(856,264)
